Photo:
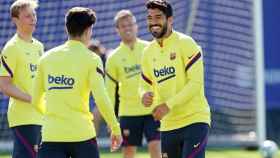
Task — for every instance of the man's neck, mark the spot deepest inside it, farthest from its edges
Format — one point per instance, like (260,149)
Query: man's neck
(160,40)
(77,39)
(27,37)
(130,43)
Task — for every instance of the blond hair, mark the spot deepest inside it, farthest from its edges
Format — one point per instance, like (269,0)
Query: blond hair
(122,14)
(20,4)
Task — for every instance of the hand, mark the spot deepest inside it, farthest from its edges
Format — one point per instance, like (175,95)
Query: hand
(116,141)
(160,111)
(147,99)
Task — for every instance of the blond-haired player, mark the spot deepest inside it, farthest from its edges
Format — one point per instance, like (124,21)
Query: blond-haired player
(18,68)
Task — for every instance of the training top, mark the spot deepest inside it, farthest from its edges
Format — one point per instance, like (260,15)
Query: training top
(174,72)
(66,75)
(123,69)
(19,61)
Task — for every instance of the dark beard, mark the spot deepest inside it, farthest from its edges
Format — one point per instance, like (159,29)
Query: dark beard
(161,34)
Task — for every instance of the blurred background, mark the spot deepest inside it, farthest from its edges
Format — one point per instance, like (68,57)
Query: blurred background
(242,71)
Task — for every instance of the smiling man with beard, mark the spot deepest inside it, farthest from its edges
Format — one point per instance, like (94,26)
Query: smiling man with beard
(173,85)
(123,69)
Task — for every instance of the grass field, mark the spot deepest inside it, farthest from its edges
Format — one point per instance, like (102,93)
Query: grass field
(209,154)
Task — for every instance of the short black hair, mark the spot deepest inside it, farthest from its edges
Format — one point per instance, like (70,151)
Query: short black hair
(78,19)
(162,5)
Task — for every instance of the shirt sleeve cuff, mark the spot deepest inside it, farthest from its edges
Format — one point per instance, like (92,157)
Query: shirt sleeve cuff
(116,129)
(170,103)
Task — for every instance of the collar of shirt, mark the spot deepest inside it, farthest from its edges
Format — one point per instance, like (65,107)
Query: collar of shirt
(166,41)
(76,44)
(17,38)
(125,47)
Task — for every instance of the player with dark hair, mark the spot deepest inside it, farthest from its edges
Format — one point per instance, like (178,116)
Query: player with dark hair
(66,75)
(173,84)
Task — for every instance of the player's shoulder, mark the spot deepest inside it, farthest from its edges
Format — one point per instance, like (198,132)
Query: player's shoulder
(91,58)
(114,54)
(54,50)
(183,38)
(91,55)
(187,43)
(12,42)
(48,55)
(150,45)
(38,43)
(10,46)
(142,42)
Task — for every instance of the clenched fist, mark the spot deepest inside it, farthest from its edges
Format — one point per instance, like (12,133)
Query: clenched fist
(147,99)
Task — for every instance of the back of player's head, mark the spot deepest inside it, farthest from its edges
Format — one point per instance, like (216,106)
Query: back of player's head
(162,5)
(78,19)
(21,4)
(122,14)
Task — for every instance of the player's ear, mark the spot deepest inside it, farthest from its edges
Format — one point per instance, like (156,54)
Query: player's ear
(117,29)
(136,27)
(170,20)
(15,20)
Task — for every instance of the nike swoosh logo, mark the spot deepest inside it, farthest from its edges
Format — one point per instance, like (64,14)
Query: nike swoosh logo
(196,145)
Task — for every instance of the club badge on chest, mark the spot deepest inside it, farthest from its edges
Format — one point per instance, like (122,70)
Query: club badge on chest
(172,56)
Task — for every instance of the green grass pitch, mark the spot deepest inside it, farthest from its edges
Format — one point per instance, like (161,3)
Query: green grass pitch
(209,154)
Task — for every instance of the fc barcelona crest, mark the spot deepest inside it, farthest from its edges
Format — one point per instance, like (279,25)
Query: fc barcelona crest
(172,56)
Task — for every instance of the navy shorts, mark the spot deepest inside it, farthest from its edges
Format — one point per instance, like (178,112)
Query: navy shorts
(83,149)
(186,142)
(25,138)
(134,127)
